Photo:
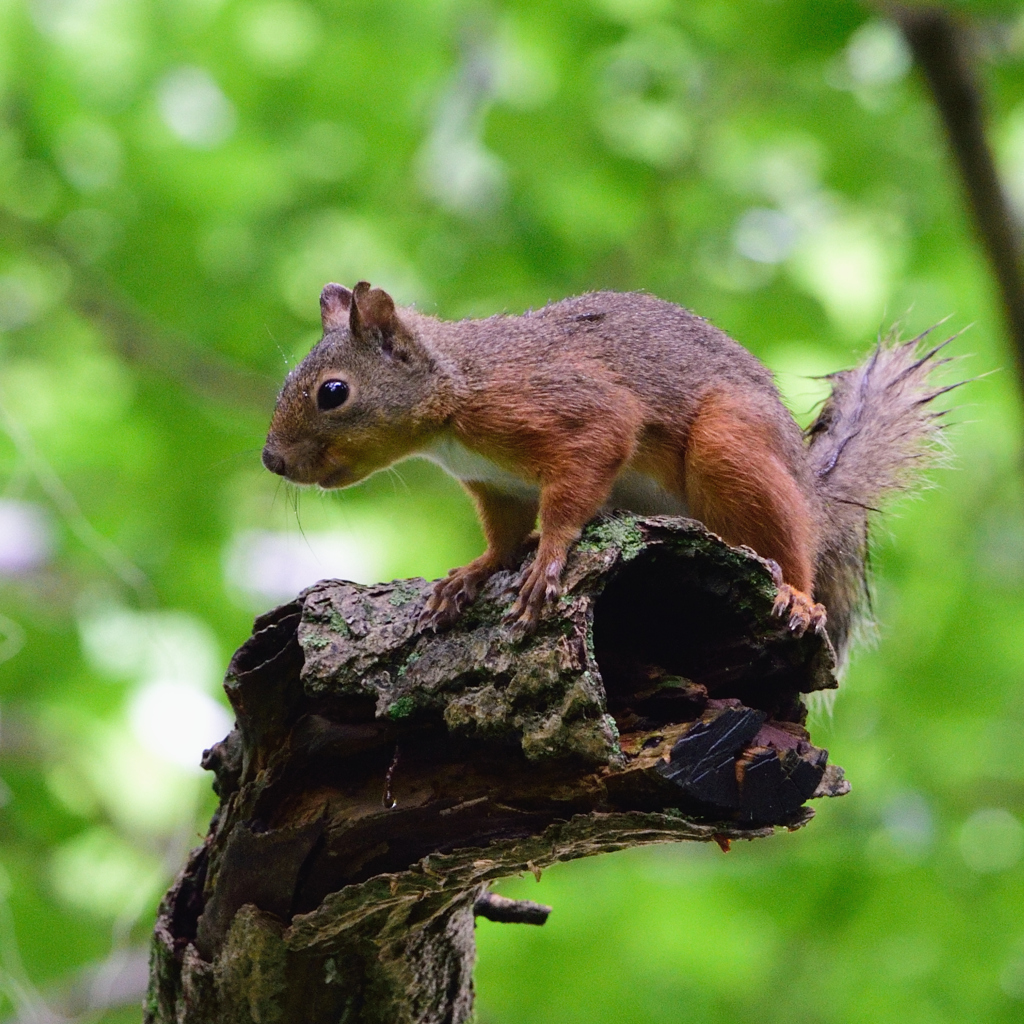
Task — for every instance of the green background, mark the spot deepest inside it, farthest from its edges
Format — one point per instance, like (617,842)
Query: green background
(178,178)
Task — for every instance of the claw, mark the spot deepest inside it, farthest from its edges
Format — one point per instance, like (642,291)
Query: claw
(803,613)
(451,595)
(540,588)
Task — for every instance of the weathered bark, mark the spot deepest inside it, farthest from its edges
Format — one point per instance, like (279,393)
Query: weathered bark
(379,779)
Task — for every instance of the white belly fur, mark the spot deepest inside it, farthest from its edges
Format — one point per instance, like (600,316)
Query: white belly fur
(632,490)
(465,464)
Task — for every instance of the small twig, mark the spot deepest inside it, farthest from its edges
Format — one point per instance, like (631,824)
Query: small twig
(941,47)
(505,911)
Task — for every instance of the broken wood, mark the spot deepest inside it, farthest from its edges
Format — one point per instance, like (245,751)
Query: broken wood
(505,911)
(379,779)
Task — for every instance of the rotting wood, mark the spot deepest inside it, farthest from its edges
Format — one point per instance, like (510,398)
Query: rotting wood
(379,779)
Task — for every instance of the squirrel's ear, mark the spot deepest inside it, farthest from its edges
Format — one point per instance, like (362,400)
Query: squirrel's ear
(373,320)
(334,304)
(372,309)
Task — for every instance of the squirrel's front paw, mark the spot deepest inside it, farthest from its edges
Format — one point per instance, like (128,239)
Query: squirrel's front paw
(803,613)
(451,596)
(541,587)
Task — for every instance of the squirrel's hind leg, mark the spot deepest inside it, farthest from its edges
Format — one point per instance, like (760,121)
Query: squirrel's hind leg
(507,522)
(738,484)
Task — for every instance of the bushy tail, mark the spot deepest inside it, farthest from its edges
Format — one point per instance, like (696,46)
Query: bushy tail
(875,436)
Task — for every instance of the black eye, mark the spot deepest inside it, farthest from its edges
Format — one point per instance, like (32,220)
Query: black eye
(332,393)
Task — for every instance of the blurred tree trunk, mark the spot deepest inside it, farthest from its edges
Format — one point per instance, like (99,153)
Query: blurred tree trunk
(379,779)
(943,45)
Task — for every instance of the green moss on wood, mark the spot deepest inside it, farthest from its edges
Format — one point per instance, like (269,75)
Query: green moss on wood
(401,708)
(617,532)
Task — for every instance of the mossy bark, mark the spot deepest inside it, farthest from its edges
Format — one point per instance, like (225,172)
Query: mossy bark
(379,778)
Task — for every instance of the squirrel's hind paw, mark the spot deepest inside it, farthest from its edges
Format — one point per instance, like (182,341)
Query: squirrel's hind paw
(803,613)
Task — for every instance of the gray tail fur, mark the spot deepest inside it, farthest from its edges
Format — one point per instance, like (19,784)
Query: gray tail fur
(875,436)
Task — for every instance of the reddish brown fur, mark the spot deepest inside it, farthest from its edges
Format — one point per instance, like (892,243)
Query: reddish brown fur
(738,485)
(547,412)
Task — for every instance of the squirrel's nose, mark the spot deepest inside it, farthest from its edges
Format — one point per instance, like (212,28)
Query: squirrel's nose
(273,461)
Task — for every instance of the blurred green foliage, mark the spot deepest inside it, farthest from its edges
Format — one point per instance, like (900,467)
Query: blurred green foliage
(178,180)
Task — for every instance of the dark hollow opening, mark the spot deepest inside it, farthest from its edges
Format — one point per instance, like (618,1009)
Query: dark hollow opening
(670,625)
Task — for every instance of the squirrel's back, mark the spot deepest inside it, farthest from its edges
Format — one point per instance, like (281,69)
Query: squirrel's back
(667,356)
(635,334)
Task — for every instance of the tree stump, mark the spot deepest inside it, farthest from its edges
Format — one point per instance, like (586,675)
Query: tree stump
(378,778)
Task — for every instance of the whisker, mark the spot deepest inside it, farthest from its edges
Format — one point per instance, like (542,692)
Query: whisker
(279,349)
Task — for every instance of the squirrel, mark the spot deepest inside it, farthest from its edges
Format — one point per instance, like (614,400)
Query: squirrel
(609,400)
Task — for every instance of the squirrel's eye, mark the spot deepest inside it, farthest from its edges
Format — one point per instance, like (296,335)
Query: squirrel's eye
(332,393)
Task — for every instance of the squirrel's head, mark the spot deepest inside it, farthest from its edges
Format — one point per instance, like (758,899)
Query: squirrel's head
(363,398)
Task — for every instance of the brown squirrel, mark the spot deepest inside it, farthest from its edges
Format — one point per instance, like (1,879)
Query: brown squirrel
(608,400)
